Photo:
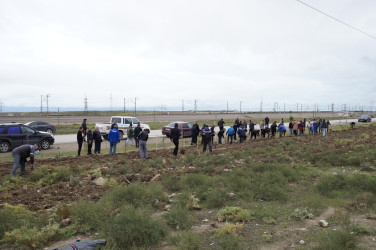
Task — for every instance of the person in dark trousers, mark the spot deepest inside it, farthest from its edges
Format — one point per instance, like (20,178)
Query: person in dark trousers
(175,135)
(143,138)
(273,129)
(206,138)
(20,155)
(242,131)
(221,135)
(324,127)
(251,126)
(220,124)
(97,137)
(195,130)
(235,127)
(212,129)
(304,124)
(84,127)
(291,127)
(230,134)
(136,133)
(80,139)
(266,122)
(319,125)
(130,134)
(89,139)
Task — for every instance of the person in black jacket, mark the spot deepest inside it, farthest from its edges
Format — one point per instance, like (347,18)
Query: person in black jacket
(195,130)
(143,138)
(80,139)
(220,124)
(273,129)
(136,133)
(266,122)
(84,127)
(251,126)
(97,137)
(20,155)
(89,139)
(175,135)
(206,138)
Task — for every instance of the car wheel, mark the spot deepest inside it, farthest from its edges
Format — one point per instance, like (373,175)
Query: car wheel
(45,144)
(4,147)
(49,131)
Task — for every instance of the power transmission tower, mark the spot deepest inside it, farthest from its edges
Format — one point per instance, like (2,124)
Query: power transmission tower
(195,105)
(284,107)
(261,106)
(182,105)
(86,110)
(240,107)
(227,107)
(1,106)
(41,104)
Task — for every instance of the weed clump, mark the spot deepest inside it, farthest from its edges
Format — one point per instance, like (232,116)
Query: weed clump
(178,217)
(234,214)
(185,240)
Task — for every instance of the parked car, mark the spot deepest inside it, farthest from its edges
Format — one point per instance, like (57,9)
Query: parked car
(13,135)
(185,129)
(42,126)
(122,122)
(364,118)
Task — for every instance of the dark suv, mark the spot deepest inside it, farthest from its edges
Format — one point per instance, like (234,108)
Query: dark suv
(13,135)
(184,127)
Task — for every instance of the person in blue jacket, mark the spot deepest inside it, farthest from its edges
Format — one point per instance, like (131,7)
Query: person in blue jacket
(242,132)
(314,125)
(113,138)
(281,129)
(230,134)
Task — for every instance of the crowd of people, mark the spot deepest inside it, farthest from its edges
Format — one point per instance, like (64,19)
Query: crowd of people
(139,137)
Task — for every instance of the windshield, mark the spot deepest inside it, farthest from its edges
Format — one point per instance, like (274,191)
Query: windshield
(116,119)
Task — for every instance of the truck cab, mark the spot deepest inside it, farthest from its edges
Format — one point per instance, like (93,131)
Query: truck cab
(122,122)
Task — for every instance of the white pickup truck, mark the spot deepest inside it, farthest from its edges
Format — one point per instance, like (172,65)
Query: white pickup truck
(122,122)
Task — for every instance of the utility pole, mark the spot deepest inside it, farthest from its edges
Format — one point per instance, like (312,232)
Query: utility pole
(240,107)
(261,106)
(41,104)
(195,105)
(86,110)
(284,107)
(47,96)
(227,107)
(135,105)
(58,116)
(1,106)
(182,106)
(297,107)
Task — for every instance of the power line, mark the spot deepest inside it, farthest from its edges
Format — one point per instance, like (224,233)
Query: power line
(336,19)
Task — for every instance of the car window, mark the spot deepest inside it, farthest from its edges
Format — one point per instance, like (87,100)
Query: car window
(116,119)
(42,123)
(127,120)
(185,125)
(14,130)
(135,121)
(27,130)
(172,124)
(31,124)
(190,125)
(2,130)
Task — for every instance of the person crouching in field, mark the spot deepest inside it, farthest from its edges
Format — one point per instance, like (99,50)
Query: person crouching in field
(273,129)
(230,134)
(206,138)
(20,155)
(143,138)
(281,129)
(113,138)
(221,135)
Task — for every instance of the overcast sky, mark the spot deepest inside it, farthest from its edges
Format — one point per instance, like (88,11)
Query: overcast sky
(164,52)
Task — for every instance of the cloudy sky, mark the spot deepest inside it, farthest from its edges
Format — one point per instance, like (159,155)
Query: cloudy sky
(163,52)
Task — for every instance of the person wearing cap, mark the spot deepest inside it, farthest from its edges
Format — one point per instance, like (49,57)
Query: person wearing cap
(206,138)
(20,155)
(175,135)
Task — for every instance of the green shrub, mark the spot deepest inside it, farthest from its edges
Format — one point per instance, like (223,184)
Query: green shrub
(32,238)
(234,214)
(171,182)
(301,214)
(362,229)
(227,237)
(13,217)
(185,240)
(178,217)
(132,228)
(47,175)
(340,239)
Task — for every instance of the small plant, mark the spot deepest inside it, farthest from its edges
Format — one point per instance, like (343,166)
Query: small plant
(178,217)
(227,237)
(302,214)
(362,229)
(340,239)
(185,240)
(234,214)
(193,202)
